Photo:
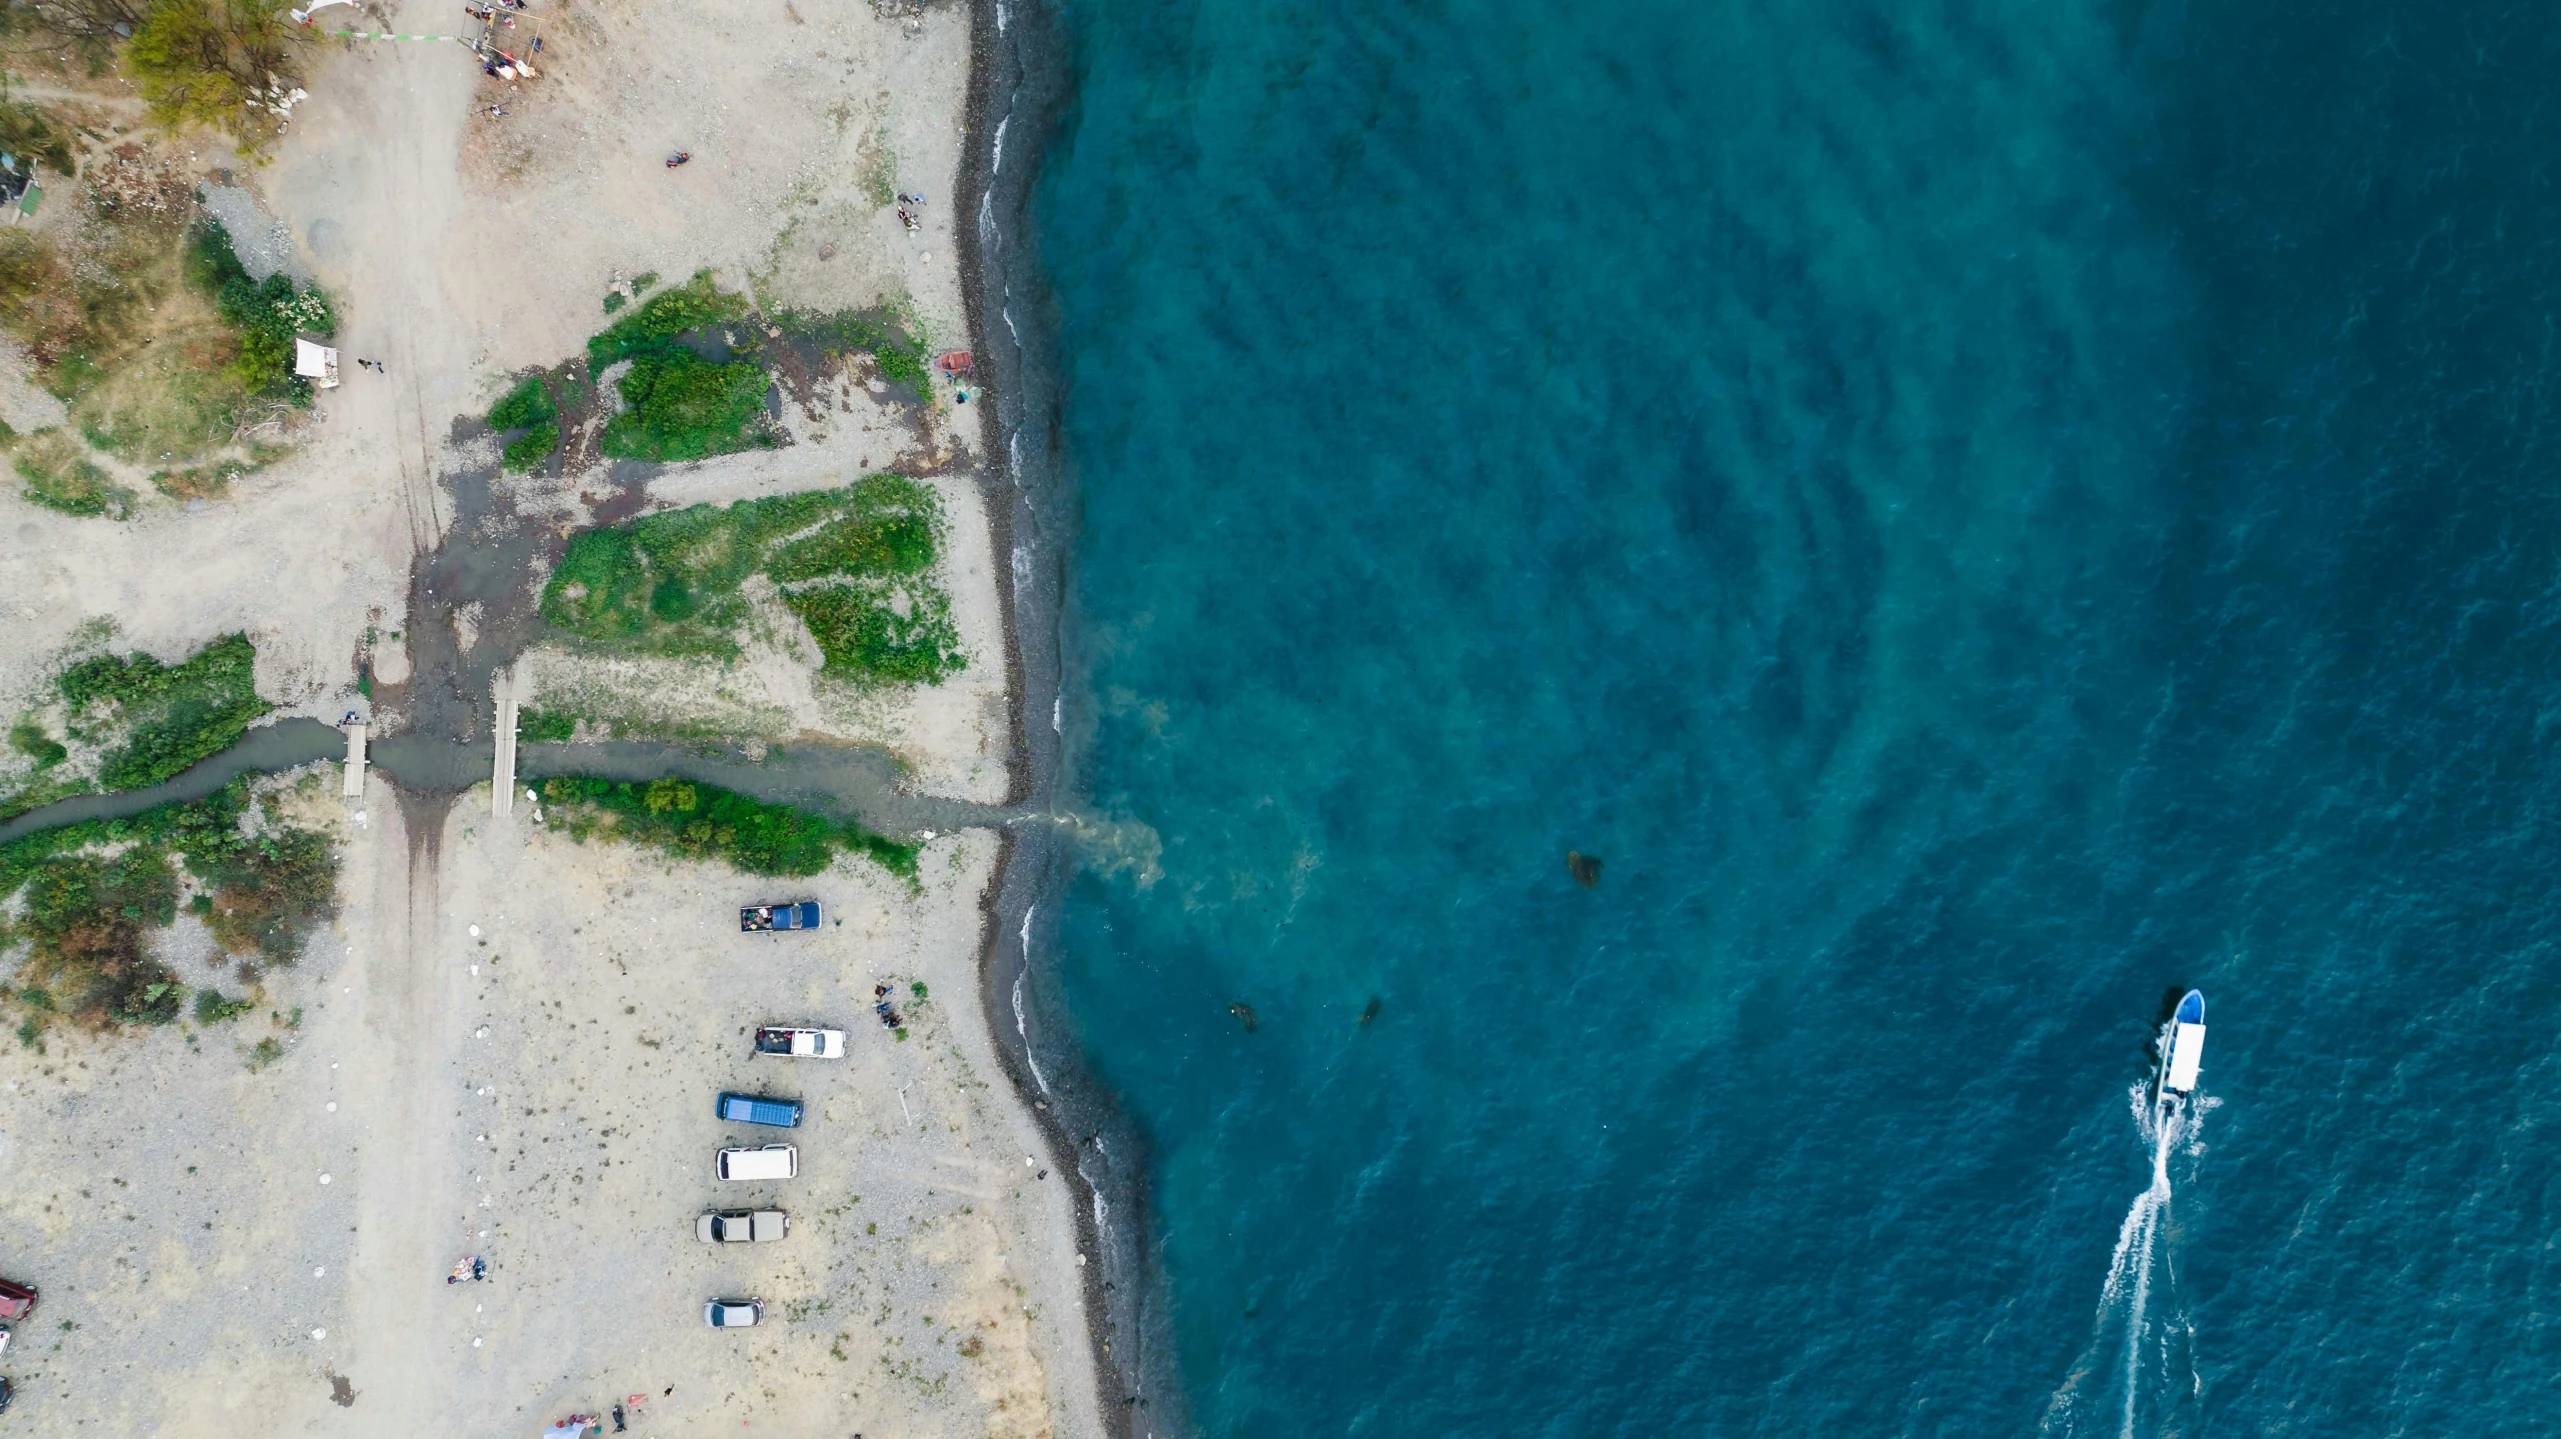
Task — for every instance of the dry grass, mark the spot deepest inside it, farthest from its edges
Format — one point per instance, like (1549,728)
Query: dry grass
(141,357)
(60,475)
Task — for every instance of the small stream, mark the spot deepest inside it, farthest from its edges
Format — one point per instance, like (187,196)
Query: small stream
(840,780)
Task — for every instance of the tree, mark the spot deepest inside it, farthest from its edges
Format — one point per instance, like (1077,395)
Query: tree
(212,62)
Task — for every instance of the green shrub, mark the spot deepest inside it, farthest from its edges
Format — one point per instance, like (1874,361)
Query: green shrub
(894,530)
(270,892)
(528,450)
(171,715)
(212,1008)
(528,404)
(155,1003)
(700,821)
(615,301)
(662,317)
(267,314)
(211,261)
(546,726)
(88,919)
(862,634)
(679,406)
(30,739)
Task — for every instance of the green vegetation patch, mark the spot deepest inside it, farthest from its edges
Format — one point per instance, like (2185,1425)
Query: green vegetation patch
(704,822)
(33,741)
(546,726)
(680,406)
(212,1008)
(856,564)
(877,633)
(656,323)
(527,405)
(266,315)
(878,333)
(170,716)
(528,450)
(92,893)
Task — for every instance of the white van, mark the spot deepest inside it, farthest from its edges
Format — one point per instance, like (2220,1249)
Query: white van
(774,1161)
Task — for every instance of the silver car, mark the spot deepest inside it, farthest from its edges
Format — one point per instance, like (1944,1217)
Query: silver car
(733,1313)
(742,1226)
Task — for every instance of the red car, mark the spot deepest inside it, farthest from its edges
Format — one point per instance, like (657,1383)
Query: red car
(15,1300)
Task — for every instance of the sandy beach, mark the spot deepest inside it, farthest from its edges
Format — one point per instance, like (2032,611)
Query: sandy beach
(508,1044)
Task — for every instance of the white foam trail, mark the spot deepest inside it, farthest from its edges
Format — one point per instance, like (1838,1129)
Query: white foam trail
(2148,1205)
(996,166)
(1019,1029)
(2127,1295)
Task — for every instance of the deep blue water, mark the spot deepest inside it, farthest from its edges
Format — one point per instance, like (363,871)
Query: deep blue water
(1981,516)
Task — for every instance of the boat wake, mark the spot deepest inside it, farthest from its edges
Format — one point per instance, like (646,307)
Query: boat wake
(2138,1374)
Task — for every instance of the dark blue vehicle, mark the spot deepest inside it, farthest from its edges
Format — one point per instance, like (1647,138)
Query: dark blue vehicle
(749,1109)
(760,918)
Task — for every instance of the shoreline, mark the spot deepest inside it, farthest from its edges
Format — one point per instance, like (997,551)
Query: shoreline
(1016,74)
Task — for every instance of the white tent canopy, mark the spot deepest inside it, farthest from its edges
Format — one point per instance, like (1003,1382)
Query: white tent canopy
(316,362)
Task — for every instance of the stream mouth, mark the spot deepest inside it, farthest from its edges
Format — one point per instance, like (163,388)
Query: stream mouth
(839,780)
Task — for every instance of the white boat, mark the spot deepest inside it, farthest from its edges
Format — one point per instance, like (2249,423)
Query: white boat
(2183,1050)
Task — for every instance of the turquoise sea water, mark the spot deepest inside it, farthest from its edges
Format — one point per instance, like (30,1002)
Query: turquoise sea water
(1981,516)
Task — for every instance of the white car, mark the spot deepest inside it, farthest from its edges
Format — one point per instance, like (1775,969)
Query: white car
(733,1313)
(797,1043)
(773,1161)
(742,1226)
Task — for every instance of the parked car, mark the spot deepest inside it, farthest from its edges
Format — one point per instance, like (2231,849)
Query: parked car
(16,1300)
(742,1226)
(801,1043)
(774,1161)
(733,1313)
(799,914)
(8,1391)
(755,1109)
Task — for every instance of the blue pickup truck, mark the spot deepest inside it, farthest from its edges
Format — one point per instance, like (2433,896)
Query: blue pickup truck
(750,1109)
(766,918)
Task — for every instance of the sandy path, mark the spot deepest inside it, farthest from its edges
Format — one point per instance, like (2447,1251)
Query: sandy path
(406,1150)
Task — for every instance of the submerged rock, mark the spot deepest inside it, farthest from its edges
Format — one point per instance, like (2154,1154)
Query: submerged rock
(1245,1012)
(1585,868)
